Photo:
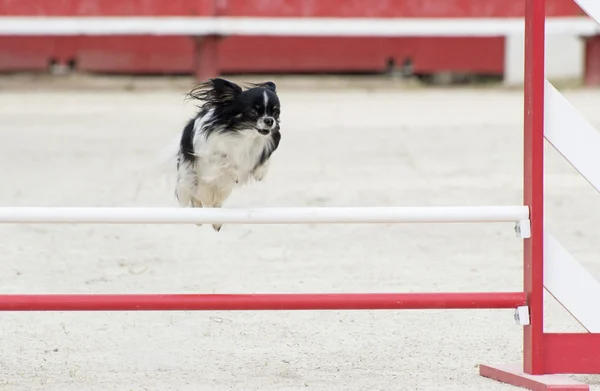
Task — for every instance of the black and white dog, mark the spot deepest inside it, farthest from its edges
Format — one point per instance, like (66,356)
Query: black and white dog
(229,141)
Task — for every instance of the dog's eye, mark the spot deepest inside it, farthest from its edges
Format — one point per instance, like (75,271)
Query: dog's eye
(253,113)
(276,113)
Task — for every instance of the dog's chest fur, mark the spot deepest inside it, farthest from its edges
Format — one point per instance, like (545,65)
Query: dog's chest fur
(226,157)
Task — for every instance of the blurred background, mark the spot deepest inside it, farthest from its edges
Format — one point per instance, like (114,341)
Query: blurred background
(442,59)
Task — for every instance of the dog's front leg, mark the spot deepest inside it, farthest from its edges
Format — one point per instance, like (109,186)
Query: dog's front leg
(228,166)
(233,172)
(260,171)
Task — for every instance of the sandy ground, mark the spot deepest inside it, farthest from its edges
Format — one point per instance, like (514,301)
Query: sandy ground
(340,147)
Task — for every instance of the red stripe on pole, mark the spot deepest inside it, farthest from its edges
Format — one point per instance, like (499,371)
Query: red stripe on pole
(247,302)
(533,251)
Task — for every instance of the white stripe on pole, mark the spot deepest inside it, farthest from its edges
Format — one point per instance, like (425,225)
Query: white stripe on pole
(374,27)
(590,7)
(571,284)
(294,215)
(572,135)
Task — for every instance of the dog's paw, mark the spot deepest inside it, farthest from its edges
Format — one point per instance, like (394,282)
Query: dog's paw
(234,176)
(260,172)
(217,227)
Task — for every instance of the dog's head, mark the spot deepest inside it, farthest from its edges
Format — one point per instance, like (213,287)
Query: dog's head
(256,109)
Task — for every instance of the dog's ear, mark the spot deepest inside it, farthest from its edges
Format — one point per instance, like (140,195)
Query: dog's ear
(217,91)
(269,85)
(225,89)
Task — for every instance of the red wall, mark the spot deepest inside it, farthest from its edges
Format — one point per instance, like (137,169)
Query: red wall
(262,54)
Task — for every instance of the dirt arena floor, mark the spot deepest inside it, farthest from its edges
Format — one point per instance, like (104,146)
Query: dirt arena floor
(341,146)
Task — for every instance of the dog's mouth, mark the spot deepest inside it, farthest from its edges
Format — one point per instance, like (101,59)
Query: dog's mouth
(264,132)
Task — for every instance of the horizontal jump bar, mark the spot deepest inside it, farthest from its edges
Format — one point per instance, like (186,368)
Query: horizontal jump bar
(295,215)
(254,302)
(265,26)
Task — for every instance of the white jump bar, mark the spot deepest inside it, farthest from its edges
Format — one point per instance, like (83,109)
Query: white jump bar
(264,26)
(293,215)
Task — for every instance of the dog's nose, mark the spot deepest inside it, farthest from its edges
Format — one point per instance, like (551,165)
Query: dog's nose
(268,121)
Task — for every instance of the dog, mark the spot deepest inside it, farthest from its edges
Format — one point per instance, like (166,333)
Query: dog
(228,142)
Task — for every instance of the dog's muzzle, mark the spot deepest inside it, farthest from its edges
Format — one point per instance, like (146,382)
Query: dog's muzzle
(265,125)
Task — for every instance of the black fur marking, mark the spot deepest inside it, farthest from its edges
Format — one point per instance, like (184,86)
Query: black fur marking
(186,149)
